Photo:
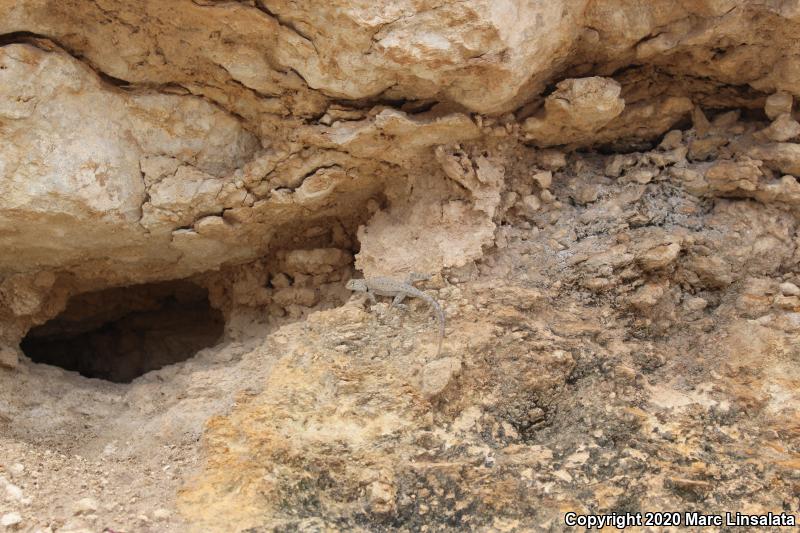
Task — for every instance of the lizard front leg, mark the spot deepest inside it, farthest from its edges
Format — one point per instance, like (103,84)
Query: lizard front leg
(371,296)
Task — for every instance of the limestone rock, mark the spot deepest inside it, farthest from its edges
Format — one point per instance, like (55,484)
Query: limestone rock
(711,271)
(11,520)
(778,104)
(647,296)
(783,128)
(437,375)
(578,107)
(610,223)
(784,157)
(659,256)
(543,179)
(728,176)
(530,204)
(789,289)
(85,506)
(9,357)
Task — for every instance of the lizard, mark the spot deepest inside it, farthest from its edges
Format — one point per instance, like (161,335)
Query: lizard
(399,290)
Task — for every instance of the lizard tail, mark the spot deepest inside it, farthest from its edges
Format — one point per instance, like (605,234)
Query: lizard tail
(440,315)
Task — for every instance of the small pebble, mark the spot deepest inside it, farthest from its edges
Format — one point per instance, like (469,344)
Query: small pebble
(85,506)
(789,289)
(10,520)
(161,514)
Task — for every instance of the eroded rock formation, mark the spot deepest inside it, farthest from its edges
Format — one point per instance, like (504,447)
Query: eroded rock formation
(606,193)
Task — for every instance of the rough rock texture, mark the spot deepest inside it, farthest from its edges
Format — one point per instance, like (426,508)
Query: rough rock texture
(606,193)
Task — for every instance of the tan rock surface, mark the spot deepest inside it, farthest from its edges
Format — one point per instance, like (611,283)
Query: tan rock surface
(604,193)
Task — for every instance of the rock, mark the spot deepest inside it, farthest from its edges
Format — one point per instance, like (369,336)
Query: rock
(711,271)
(11,520)
(619,162)
(161,514)
(726,120)
(303,296)
(784,128)
(659,256)
(647,296)
(641,175)
(234,142)
(728,176)
(552,159)
(789,303)
(586,193)
(13,492)
(694,303)
(692,180)
(543,179)
(280,281)
(530,204)
(784,157)
(597,284)
(786,190)
(9,357)
(671,157)
(689,487)
(576,108)
(381,497)
(671,140)
(778,104)
(703,148)
(438,374)
(100,181)
(700,122)
(85,506)
(789,289)
(317,261)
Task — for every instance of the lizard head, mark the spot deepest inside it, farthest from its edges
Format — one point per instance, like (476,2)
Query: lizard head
(357,285)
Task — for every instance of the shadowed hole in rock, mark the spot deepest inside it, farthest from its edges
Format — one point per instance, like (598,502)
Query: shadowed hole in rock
(119,334)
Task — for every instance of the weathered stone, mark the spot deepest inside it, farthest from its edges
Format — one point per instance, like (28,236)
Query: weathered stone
(671,140)
(703,148)
(712,271)
(727,176)
(530,204)
(784,157)
(586,193)
(11,520)
(617,163)
(543,179)
(783,128)
(641,175)
(8,357)
(778,104)
(659,256)
(266,150)
(552,159)
(85,506)
(437,375)
(647,296)
(578,107)
(789,289)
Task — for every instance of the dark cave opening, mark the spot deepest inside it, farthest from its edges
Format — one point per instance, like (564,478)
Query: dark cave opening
(119,334)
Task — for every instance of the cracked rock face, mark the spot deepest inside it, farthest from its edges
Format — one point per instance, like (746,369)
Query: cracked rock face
(606,194)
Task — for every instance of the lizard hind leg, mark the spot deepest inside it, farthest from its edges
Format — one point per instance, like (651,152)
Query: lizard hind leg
(398,301)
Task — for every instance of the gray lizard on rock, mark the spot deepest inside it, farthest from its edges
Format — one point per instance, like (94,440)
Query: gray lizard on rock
(399,290)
